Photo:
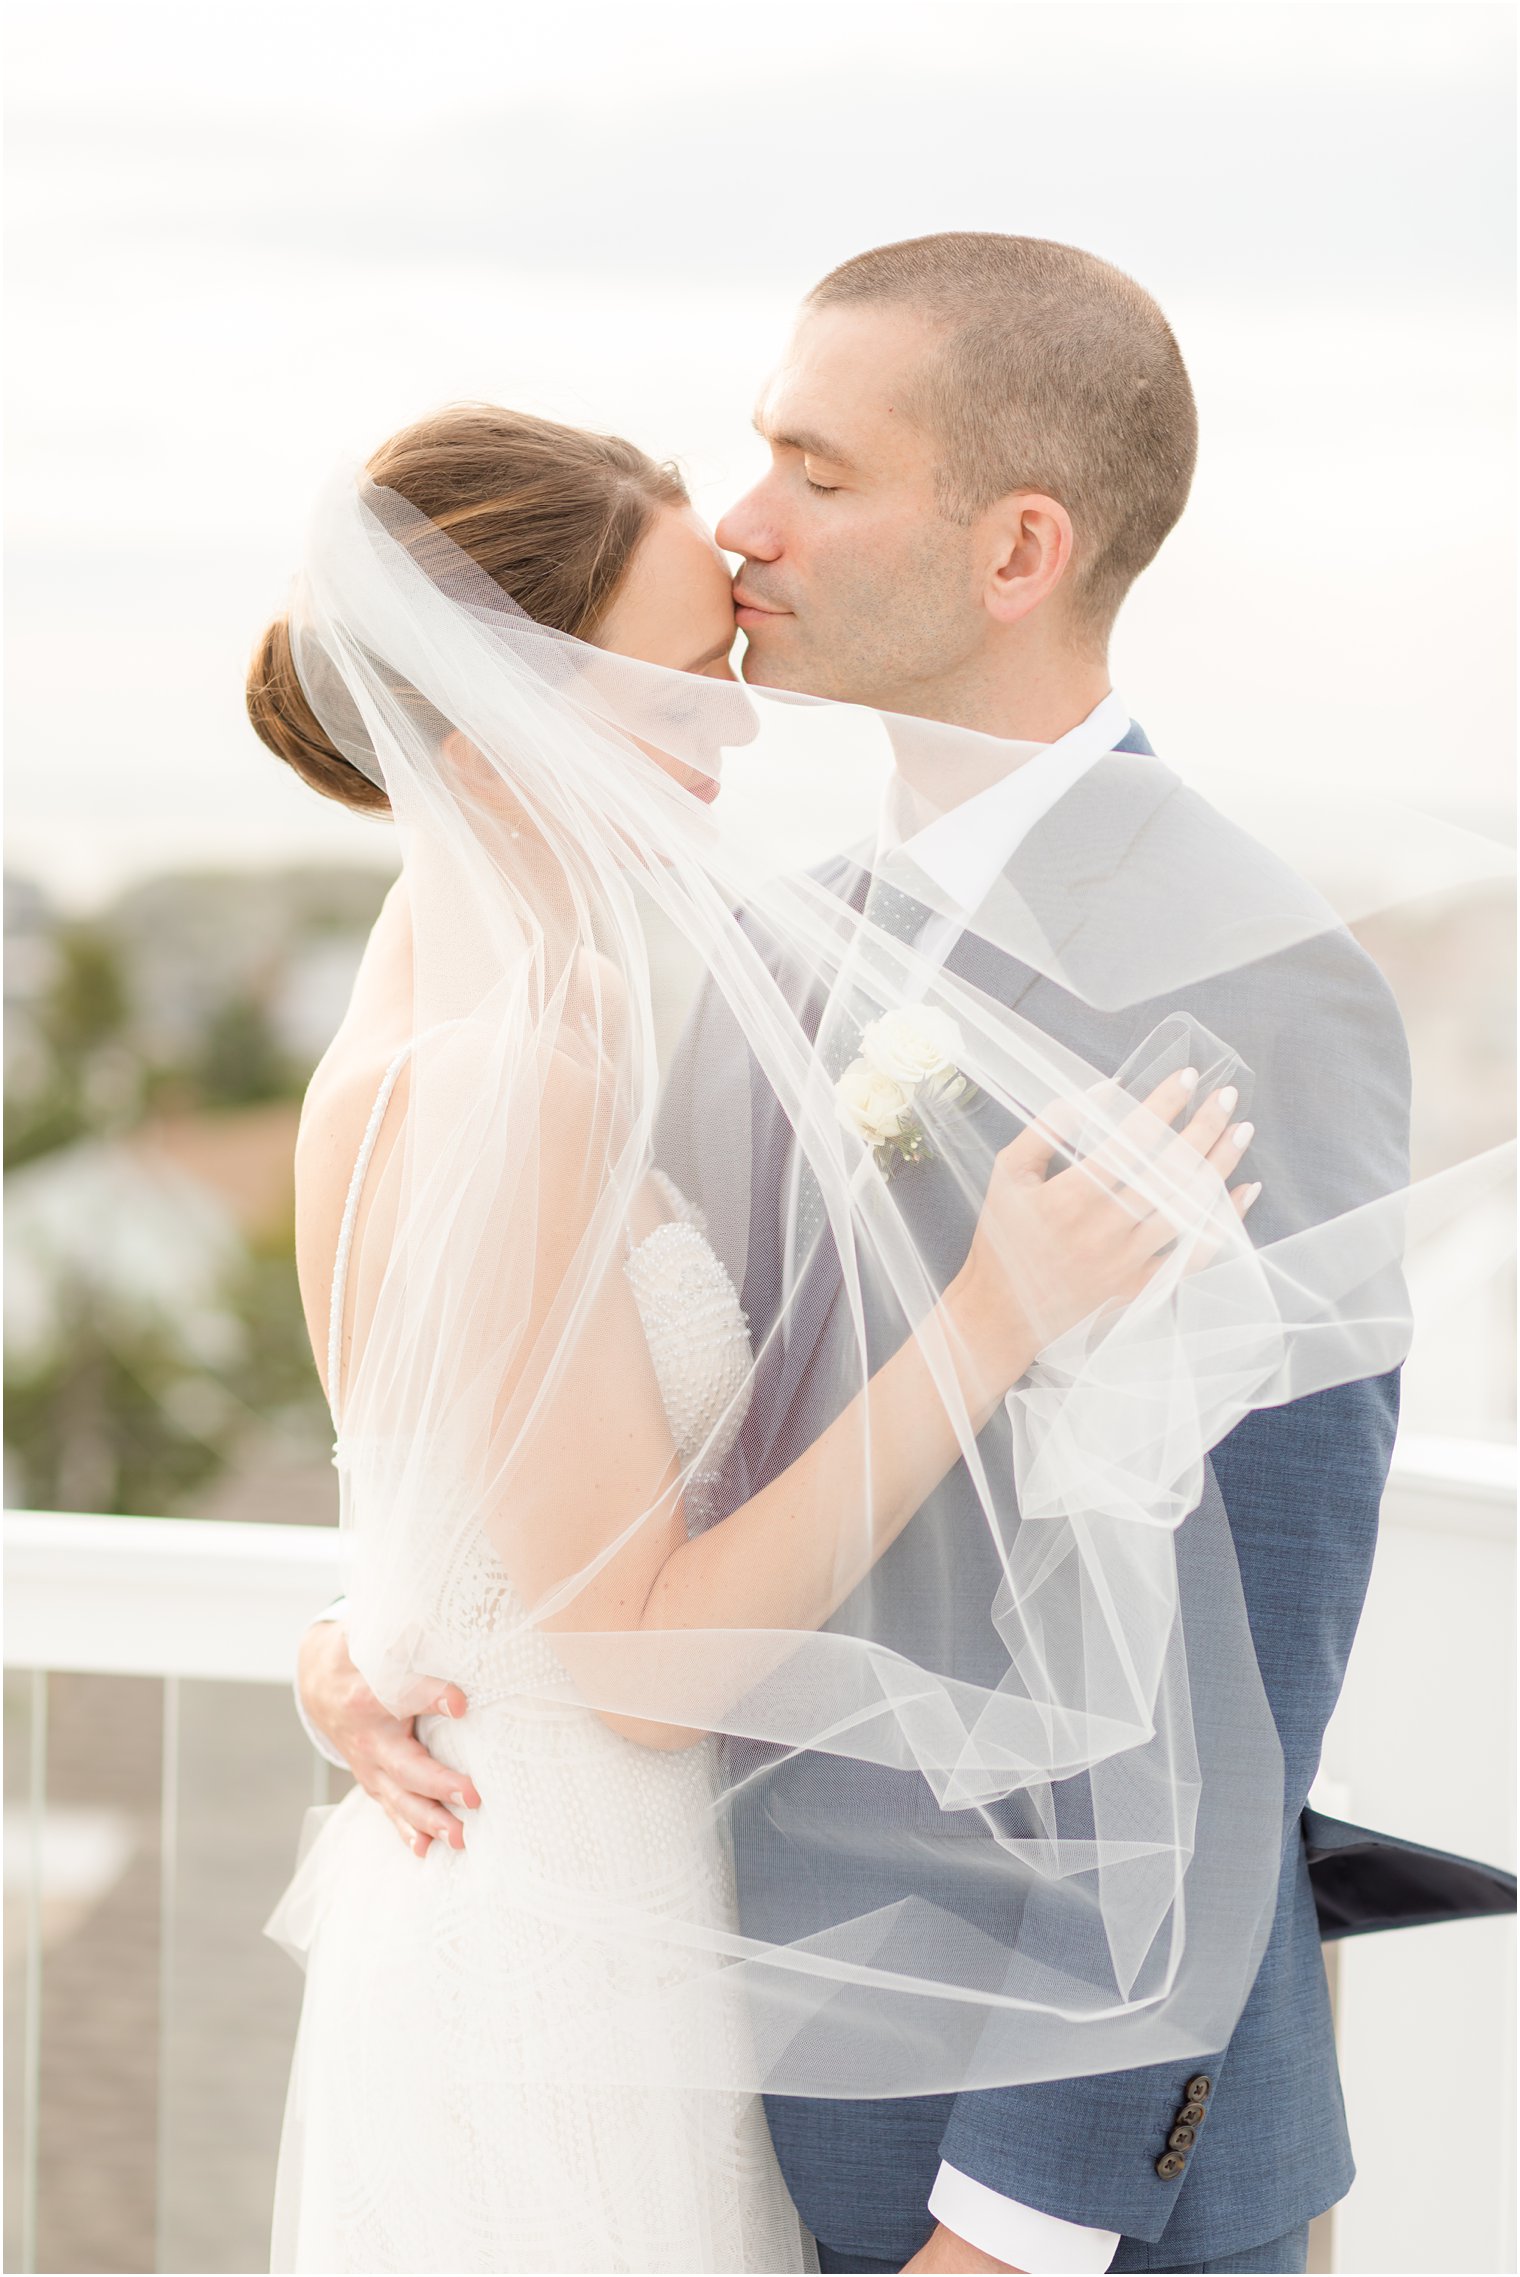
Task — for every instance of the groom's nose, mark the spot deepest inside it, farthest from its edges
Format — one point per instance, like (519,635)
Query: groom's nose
(747,529)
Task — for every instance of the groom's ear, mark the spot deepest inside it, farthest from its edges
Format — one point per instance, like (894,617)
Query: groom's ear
(1026,550)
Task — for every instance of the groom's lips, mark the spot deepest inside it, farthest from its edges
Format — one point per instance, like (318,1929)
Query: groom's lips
(755,611)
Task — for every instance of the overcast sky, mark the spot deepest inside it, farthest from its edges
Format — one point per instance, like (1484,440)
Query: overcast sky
(247,240)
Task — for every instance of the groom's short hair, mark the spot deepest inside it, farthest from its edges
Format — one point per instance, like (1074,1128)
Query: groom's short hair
(1057,373)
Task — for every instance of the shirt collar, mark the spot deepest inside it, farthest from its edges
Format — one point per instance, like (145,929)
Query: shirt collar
(965,850)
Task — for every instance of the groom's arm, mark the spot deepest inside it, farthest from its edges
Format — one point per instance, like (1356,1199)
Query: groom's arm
(308,1657)
(1302,1485)
(1006,2235)
(946,2250)
(357,1732)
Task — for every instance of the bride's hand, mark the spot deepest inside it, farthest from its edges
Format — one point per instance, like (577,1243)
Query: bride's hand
(1048,1251)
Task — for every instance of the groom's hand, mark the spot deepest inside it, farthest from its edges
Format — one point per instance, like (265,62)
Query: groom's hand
(383,1751)
(945,2250)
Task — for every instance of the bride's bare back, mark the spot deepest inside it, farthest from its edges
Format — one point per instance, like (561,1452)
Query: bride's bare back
(335,1114)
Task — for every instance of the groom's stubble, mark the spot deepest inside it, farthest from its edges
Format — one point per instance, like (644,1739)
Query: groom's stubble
(880,629)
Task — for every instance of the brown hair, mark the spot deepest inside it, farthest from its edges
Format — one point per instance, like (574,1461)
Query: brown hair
(552,513)
(1056,373)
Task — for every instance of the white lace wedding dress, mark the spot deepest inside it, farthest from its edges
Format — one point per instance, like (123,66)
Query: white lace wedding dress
(420,2133)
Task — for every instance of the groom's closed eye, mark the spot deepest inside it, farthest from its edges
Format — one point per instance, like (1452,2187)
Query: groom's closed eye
(820,456)
(806,440)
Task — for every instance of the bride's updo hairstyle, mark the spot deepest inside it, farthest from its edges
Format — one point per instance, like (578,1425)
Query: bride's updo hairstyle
(552,513)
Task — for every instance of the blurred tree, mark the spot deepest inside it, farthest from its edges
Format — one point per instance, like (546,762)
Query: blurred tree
(87,1004)
(148,1345)
(85,1075)
(118,1406)
(241,1060)
(103,1425)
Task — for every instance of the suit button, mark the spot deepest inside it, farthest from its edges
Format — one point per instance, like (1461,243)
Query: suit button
(1181,2138)
(1197,2090)
(1191,2115)
(1169,2165)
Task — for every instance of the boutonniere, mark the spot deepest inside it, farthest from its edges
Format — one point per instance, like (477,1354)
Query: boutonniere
(907,1061)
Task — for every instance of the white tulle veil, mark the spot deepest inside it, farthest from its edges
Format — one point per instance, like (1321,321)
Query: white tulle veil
(1068,1850)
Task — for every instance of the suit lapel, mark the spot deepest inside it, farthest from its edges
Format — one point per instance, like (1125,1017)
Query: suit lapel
(1059,872)
(783,1362)
(817,1285)
(1071,852)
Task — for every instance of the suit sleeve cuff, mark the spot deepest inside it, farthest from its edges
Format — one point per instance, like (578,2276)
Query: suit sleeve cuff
(1020,2235)
(324,1747)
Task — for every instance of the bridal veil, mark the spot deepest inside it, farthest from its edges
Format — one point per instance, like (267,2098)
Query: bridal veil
(1070,1849)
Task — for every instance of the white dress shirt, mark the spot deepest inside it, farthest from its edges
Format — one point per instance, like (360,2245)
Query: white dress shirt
(964,852)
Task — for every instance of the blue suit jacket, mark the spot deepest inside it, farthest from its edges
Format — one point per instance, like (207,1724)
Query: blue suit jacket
(1299,1487)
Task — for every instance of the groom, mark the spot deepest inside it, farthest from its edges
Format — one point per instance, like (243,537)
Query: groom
(977,443)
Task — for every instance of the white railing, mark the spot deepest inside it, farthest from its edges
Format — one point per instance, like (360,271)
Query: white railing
(180,1597)
(1422,1744)
(209,1609)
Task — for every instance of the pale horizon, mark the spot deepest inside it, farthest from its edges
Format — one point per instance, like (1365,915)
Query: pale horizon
(240,256)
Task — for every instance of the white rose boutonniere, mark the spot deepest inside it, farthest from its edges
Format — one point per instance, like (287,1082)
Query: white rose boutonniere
(906,1058)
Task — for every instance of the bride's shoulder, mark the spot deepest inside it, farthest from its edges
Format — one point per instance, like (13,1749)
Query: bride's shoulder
(345,1087)
(577,1096)
(592,1035)
(349,1091)
(596,992)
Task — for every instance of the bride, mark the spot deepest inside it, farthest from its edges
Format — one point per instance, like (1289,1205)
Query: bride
(538,2050)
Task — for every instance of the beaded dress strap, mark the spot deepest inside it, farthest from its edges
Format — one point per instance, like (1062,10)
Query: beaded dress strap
(346,1229)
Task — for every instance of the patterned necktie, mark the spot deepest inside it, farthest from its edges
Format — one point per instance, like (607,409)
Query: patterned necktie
(892,911)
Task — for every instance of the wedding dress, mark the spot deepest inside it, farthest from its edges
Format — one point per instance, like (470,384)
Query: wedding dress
(416,2136)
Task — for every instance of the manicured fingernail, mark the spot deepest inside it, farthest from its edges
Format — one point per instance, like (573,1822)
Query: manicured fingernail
(1189,1079)
(1242,1134)
(444,1708)
(1226,1099)
(1250,1194)
(458,1797)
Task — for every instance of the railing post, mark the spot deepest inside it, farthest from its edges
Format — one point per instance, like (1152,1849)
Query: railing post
(1322,2228)
(31,2062)
(168,1895)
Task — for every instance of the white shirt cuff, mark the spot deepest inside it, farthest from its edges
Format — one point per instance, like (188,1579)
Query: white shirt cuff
(1019,2235)
(324,1747)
